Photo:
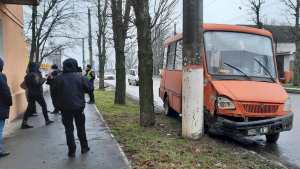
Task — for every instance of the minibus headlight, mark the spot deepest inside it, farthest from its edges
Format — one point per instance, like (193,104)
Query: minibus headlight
(287,105)
(224,103)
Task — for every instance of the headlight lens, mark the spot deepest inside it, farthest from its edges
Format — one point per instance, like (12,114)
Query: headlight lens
(287,105)
(224,103)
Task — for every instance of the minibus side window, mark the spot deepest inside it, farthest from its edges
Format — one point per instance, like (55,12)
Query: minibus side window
(165,57)
(171,55)
(178,57)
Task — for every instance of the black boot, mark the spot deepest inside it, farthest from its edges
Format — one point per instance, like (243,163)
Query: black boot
(54,112)
(49,122)
(25,125)
(4,153)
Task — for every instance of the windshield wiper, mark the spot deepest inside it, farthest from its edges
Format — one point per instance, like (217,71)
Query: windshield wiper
(238,70)
(265,69)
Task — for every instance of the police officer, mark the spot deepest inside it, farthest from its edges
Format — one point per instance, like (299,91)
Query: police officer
(55,72)
(34,82)
(5,103)
(68,92)
(90,74)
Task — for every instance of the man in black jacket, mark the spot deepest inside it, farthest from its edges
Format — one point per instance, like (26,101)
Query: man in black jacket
(68,92)
(5,103)
(50,78)
(90,74)
(34,82)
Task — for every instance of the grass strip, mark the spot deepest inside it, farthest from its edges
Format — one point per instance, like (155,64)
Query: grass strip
(162,146)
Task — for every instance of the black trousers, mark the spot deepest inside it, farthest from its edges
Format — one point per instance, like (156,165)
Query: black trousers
(92,97)
(53,102)
(91,94)
(67,120)
(31,106)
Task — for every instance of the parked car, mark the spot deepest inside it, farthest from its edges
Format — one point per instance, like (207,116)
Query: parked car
(109,76)
(133,77)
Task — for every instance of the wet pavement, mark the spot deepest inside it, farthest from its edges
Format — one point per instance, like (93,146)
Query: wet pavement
(45,146)
(287,148)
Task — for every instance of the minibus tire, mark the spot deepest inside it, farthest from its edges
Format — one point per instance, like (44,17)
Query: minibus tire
(136,83)
(272,138)
(129,82)
(168,109)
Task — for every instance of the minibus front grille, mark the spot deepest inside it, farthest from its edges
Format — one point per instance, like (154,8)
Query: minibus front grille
(260,108)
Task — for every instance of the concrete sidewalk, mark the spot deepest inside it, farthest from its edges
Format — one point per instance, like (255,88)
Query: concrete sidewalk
(45,146)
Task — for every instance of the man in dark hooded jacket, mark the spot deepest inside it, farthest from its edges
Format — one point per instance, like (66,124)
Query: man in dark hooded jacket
(68,92)
(50,78)
(34,82)
(5,103)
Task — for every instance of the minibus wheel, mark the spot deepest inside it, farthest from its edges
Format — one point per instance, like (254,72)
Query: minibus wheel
(129,82)
(272,138)
(168,109)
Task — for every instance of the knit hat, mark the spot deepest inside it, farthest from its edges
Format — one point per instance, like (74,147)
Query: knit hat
(89,66)
(54,66)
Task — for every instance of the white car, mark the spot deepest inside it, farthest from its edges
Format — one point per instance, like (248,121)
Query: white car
(109,76)
(133,77)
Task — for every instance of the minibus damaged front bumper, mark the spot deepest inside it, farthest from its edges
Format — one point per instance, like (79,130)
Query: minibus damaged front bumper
(260,127)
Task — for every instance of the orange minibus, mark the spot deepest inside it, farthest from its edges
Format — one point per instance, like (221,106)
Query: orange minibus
(243,94)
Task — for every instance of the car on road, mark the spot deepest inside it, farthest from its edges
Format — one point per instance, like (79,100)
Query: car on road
(109,76)
(133,77)
(243,95)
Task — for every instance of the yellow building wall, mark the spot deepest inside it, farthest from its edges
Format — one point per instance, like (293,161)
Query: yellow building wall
(14,55)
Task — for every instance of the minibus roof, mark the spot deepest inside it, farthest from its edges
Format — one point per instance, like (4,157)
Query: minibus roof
(224,27)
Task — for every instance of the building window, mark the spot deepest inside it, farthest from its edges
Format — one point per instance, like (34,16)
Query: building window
(1,41)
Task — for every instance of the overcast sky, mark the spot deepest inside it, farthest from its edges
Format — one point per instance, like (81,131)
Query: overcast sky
(215,11)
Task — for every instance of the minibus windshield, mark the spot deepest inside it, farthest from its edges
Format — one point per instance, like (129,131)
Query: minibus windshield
(228,52)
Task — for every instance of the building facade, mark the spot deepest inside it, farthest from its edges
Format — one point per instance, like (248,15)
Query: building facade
(13,50)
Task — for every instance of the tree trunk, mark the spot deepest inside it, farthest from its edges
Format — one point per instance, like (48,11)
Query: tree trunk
(141,8)
(121,77)
(120,28)
(296,61)
(33,39)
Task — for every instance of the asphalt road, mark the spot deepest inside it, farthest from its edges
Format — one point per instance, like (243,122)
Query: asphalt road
(287,147)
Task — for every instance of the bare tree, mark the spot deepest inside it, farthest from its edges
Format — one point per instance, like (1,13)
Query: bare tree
(102,24)
(50,21)
(255,7)
(131,59)
(164,15)
(143,25)
(120,24)
(294,10)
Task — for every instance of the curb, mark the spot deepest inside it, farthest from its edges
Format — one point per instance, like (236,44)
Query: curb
(128,165)
(292,90)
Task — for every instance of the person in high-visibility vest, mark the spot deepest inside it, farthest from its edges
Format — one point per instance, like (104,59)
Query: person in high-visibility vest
(90,74)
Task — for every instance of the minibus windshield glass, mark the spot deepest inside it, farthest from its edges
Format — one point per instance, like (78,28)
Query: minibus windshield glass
(251,54)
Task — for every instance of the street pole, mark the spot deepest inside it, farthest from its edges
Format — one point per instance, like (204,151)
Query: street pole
(83,57)
(175,29)
(90,39)
(192,74)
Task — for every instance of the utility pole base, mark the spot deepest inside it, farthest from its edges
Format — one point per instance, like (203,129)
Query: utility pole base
(192,103)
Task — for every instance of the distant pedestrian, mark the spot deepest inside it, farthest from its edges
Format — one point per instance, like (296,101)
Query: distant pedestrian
(79,70)
(5,103)
(90,74)
(34,82)
(23,86)
(68,92)
(50,77)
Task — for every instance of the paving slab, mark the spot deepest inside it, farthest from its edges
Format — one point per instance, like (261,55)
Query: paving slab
(44,147)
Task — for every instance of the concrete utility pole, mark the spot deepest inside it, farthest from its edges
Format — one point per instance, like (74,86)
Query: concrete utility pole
(175,29)
(192,74)
(83,57)
(90,39)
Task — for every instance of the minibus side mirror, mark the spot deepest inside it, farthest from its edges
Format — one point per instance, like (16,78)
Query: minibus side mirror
(286,78)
